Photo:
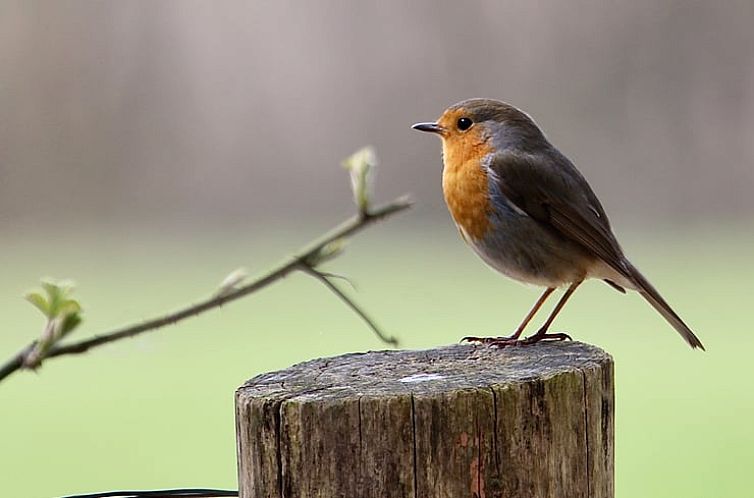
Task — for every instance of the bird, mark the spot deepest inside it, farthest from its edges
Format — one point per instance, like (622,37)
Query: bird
(526,210)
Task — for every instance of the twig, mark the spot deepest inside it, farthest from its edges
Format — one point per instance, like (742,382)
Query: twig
(325,279)
(306,258)
(338,277)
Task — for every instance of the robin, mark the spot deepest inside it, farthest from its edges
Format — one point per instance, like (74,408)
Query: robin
(528,213)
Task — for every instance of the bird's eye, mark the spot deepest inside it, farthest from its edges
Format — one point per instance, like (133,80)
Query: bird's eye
(464,124)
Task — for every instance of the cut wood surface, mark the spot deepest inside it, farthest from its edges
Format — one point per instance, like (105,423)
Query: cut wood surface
(457,421)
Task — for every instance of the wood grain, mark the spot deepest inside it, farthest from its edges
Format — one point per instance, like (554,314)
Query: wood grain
(457,421)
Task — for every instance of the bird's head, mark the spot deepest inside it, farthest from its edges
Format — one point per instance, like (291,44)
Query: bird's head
(475,125)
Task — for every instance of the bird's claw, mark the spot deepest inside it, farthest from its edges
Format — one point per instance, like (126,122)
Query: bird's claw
(558,336)
(502,342)
(495,342)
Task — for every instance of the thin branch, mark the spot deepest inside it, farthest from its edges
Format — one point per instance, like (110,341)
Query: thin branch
(325,279)
(16,362)
(307,257)
(338,277)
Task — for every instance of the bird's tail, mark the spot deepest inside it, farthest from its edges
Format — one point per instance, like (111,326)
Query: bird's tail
(656,300)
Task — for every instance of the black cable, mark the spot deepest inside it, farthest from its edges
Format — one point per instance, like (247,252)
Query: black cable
(162,493)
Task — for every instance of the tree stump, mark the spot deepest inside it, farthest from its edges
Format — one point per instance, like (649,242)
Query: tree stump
(457,421)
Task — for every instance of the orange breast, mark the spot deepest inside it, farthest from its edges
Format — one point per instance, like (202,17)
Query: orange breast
(464,185)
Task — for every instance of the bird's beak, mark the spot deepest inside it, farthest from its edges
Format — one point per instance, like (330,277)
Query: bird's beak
(429,127)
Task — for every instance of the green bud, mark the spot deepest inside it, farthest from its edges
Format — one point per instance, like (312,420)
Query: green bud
(361,164)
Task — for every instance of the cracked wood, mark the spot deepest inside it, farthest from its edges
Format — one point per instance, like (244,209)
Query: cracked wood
(457,421)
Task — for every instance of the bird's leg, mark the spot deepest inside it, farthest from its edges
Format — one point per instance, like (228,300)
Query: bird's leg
(513,339)
(542,334)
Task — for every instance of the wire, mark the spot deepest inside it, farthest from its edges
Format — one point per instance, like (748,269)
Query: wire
(162,493)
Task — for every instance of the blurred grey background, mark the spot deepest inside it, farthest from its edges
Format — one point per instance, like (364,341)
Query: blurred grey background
(203,113)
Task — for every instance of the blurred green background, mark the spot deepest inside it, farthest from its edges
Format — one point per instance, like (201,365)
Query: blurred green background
(157,411)
(149,148)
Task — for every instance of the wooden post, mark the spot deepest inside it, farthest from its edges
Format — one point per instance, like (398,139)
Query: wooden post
(457,421)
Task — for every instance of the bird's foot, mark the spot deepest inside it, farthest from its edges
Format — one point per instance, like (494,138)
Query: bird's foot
(558,336)
(502,342)
(495,342)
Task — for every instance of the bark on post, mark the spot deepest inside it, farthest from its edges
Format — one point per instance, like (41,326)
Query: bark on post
(458,421)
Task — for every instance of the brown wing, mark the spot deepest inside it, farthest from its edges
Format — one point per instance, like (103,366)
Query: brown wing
(548,188)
